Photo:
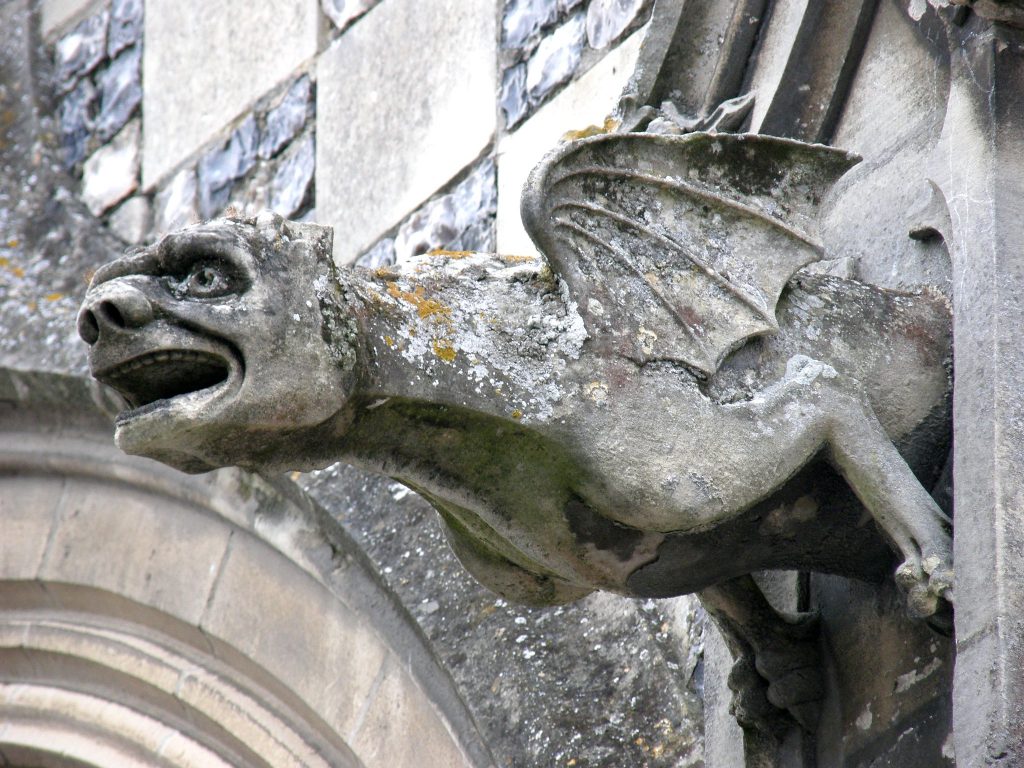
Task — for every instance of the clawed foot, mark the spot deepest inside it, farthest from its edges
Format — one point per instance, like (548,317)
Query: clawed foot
(784,678)
(927,581)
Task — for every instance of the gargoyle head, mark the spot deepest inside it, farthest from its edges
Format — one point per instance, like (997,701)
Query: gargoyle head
(230,341)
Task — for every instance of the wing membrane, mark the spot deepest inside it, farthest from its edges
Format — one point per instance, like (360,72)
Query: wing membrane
(677,247)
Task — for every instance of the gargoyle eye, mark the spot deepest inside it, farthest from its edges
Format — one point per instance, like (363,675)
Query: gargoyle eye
(204,280)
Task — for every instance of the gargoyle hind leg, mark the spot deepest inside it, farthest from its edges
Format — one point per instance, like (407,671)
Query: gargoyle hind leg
(902,507)
(776,658)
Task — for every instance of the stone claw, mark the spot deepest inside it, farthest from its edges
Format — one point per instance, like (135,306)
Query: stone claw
(928,585)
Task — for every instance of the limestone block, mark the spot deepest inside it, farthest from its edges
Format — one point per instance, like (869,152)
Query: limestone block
(175,550)
(418,116)
(401,728)
(57,14)
(111,173)
(775,50)
(131,220)
(324,652)
(27,508)
(205,63)
(588,101)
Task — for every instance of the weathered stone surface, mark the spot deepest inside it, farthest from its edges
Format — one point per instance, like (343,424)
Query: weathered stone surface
(198,83)
(373,172)
(79,51)
(176,204)
(112,172)
(587,101)
(399,727)
(125,25)
(220,167)
(285,120)
(894,116)
(519,664)
(120,93)
(290,185)
(783,25)
(77,120)
(524,19)
(28,508)
(608,19)
(556,58)
(513,99)
(79,555)
(131,221)
(344,12)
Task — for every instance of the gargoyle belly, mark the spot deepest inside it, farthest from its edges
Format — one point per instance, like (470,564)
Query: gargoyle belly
(578,547)
(813,523)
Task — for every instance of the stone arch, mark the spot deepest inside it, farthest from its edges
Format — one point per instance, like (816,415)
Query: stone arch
(157,619)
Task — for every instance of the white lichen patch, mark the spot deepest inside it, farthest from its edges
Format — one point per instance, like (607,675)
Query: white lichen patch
(907,681)
(865,718)
(500,323)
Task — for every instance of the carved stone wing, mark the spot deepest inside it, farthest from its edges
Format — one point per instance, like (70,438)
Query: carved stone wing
(677,247)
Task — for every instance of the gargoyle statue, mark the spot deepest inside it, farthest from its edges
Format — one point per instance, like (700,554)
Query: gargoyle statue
(667,404)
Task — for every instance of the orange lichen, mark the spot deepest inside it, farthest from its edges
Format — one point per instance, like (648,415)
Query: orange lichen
(517,414)
(389,341)
(54,296)
(610,124)
(443,349)
(424,307)
(450,254)
(517,259)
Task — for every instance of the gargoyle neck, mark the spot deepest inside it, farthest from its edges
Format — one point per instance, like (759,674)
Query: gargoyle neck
(500,343)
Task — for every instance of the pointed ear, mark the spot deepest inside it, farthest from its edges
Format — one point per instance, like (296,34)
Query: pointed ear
(319,237)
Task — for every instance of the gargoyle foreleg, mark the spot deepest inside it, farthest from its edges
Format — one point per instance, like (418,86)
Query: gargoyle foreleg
(901,506)
(777,658)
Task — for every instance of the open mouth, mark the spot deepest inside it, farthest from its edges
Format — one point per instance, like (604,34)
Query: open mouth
(165,374)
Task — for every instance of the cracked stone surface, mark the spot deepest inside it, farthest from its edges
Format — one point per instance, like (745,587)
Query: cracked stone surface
(120,87)
(290,185)
(513,98)
(78,120)
(556,58)
(284,121)
(608,19)
(524,19)
(125,25)
(81,50)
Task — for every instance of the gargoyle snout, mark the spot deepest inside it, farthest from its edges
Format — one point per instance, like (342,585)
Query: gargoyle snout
(110,308)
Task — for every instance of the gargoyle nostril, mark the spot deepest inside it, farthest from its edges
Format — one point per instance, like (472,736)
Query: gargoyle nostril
(88,328)
(112,314)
